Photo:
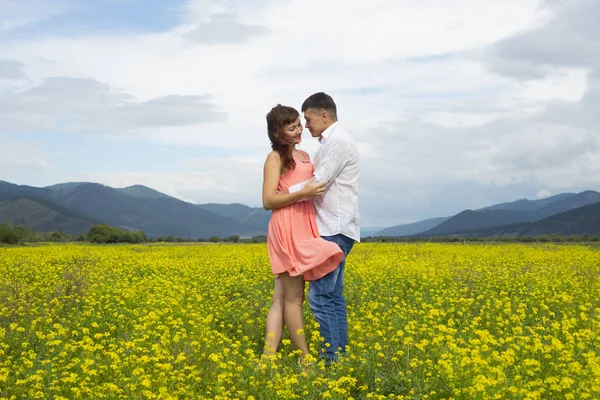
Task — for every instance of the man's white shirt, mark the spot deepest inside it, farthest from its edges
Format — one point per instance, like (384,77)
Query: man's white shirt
(338,162)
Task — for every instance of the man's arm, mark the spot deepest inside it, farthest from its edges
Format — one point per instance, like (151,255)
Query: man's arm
(333,161)
(330,165)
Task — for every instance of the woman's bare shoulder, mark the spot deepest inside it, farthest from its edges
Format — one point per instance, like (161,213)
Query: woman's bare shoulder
(274,156)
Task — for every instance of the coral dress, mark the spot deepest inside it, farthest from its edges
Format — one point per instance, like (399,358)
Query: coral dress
(293,238)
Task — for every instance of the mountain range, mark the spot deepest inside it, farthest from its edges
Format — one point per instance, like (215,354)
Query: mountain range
(565,214)
(76,206)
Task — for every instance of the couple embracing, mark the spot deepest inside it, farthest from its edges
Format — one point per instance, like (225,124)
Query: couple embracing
(314,224)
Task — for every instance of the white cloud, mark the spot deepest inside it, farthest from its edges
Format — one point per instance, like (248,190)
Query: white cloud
(565,83)
(18,14)
(224,28)
(19,156)
(11,70)
(542,194)
(83,105)
(568,39)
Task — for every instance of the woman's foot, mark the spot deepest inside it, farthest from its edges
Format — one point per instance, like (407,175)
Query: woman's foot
(306,364)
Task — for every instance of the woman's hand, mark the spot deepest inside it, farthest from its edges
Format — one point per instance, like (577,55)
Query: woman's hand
(311,189)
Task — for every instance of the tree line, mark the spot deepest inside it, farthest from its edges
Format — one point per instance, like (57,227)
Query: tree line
(549,238)
(104,233)
(14,234)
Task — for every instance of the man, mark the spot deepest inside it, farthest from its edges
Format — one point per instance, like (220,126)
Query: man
(337,162)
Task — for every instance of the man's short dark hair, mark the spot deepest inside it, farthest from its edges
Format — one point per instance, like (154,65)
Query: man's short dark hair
(321,101)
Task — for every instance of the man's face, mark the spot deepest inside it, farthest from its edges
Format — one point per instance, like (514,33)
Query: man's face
(316,121)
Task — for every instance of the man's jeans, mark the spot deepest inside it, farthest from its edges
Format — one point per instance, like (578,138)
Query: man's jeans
(327,303)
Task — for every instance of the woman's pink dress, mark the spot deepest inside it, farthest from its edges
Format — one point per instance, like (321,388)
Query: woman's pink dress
(293,238)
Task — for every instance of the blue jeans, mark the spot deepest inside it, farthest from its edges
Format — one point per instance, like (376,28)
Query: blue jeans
(327,303)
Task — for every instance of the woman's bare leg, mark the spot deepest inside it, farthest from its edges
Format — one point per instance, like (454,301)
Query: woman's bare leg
(293,289)
(275,320)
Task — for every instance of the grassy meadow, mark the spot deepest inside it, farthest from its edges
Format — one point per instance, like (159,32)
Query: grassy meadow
(427,321)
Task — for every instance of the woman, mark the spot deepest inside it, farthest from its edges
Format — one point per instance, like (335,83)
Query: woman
(296,250)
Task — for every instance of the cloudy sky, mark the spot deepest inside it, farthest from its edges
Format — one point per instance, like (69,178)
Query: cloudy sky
(455,104)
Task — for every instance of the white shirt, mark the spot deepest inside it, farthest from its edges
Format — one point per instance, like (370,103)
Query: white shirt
(338,162)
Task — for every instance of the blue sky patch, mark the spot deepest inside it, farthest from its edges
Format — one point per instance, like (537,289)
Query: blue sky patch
(84,18)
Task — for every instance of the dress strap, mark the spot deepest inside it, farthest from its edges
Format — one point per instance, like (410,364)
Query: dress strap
(305,155)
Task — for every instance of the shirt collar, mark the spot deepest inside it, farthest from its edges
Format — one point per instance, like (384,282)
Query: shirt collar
(327,132)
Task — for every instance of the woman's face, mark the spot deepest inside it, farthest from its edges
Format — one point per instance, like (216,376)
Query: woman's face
(293,132)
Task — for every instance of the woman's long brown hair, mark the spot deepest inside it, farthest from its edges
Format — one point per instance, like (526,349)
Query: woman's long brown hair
(277,119)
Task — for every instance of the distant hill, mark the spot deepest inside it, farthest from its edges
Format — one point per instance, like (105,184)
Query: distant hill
(482,217)
(64,186)
(522,210)
(43,215)
(529,205)
(254,219)
(569,203)
(411,229)
(155,215)
(579,221)
(370,230)
(140,191)
(473,220)
(11,191)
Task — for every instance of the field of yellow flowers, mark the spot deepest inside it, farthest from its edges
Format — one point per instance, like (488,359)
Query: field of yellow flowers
(427,321)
